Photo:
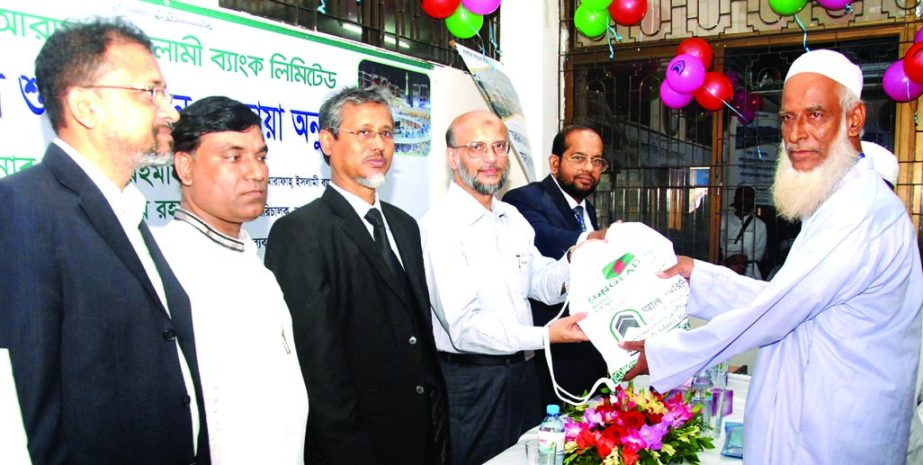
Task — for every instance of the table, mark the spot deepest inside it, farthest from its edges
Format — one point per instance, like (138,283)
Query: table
(516,454)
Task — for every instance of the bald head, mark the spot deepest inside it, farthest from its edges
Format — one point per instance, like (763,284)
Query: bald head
(478,153)
(469,120)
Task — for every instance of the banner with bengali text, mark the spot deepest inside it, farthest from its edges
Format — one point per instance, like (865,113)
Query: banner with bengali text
(284,74)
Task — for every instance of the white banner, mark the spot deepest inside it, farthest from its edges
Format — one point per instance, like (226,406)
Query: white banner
(284,74)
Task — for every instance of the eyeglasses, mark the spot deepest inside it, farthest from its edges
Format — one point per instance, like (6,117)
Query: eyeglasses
(599,163)
(367,135)
(159,95)
(478,149)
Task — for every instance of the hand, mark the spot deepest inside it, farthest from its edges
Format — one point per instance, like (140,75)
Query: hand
(567,330)
(640,368)
(598,234)
(683,267)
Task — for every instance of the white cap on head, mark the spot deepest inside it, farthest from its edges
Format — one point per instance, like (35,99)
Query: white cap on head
(883,160)
(830,64)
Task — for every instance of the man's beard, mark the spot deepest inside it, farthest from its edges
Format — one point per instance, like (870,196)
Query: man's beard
(574,191)
(373,181)
(798,194)
(472,180)
(158,154)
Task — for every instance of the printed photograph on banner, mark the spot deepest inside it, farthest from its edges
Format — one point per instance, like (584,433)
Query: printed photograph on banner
(410,104)
(498,91)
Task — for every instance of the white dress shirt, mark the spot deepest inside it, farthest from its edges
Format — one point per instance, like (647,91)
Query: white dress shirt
(129,205)
(572,203)
(481,269)
(255,399)
(752,243)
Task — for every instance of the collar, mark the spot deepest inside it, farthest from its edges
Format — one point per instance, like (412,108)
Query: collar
(570,200)
(360,206)
(468,210)
(217,237)
(128,204)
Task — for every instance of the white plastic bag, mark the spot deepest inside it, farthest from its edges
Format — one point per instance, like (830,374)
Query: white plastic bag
(616,283)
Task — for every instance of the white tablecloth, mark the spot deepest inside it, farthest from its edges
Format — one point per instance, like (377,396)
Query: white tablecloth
(516,455)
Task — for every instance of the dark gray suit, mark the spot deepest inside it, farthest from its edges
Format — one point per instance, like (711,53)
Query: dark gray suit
(363,335)
(93,349)
(543,204)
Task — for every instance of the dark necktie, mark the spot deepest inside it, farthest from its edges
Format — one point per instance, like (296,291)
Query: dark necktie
(578,212)
(181,315)
(381,240)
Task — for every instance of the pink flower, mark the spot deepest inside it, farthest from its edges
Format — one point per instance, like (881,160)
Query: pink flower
(593,417)
(573,428)
(653,435)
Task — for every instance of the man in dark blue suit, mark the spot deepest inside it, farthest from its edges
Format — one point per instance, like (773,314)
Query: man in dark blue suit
(98,328)
(561,214)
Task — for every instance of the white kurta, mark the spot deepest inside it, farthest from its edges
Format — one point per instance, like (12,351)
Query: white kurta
(255,398)
(838,330)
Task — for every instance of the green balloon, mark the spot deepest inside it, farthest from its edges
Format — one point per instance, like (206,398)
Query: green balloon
(463,23)
(596,4)
(787,7)
(591,23)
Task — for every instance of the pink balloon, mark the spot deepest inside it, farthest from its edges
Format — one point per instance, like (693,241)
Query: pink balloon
(481,7)
(834,4)
(898,86)
(685,73)
(672,98)
(919,36)
(746,116)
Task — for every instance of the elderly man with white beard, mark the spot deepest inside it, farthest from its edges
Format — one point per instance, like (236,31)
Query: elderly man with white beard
(838,327)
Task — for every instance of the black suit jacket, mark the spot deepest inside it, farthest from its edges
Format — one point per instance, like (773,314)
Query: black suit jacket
(365,346)
(543,204)
(92,348)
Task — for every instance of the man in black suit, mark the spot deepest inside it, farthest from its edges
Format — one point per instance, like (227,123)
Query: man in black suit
(98,328)
(559,210)
(351,269)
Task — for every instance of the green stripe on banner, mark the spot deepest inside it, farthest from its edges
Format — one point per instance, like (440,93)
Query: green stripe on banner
(232,18)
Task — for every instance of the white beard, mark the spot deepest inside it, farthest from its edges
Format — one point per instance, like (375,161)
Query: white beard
(372,182)
(797,194)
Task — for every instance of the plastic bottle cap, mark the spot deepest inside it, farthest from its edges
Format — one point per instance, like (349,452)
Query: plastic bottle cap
(552,409)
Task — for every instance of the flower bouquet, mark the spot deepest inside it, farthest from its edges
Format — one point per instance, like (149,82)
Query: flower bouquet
(627,428)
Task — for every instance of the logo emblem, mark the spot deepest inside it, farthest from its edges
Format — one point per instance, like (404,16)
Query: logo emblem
(616,268)
(679,66)
(623,322)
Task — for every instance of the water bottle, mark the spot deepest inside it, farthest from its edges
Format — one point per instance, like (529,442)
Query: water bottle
(719,375)
(551,437)
(701,387)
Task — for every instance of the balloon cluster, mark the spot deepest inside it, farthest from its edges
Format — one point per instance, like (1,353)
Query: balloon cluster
(903,80)
(790,7)
(592,16)
(687,78)
(463,18)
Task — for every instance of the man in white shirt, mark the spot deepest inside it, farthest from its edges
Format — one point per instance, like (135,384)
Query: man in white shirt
(838,327)
(481,269)
(743,235)
(99,329)
(255,399)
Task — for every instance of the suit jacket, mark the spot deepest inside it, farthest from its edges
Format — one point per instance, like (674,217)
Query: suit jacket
(93,350)
(543,204)
(365,346)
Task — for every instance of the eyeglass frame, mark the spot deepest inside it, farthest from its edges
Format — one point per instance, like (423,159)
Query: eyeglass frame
(473,153)
(153,91)
(603,163)
(366,135)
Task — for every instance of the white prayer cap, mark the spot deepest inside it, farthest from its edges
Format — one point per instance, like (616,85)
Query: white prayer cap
(883,160)
(830,64)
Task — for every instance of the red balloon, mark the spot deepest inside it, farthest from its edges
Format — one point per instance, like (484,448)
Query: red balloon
(628,12)
(440,9)
(715,91)
(696,47)
(913,63)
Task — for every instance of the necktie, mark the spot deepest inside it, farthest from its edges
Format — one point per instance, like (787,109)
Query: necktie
(381,239)
(578,212)
(181,315)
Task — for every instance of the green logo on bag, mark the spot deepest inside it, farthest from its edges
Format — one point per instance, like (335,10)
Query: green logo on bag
(623,321)
(618,266)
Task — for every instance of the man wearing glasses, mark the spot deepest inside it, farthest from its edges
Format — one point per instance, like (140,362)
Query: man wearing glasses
(351,270)
(482,267)
(98,328)
(559,209)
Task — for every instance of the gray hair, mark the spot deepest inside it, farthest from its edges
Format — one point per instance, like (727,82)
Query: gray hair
(331,112)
